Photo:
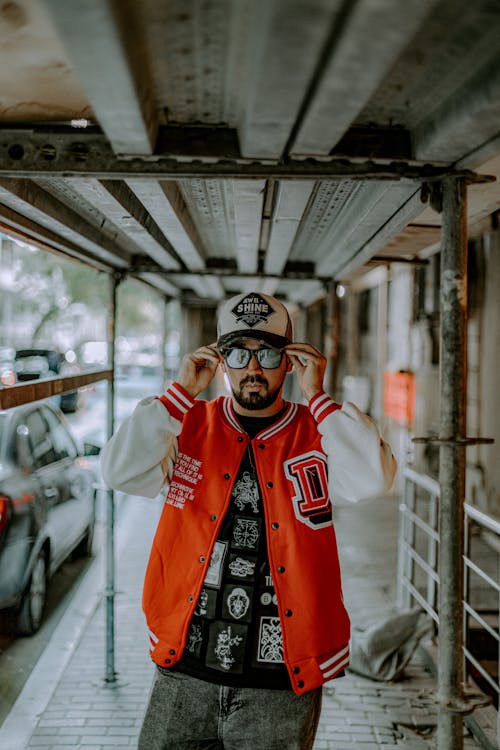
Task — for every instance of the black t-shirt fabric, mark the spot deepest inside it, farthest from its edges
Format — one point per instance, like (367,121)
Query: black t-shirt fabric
(235,636)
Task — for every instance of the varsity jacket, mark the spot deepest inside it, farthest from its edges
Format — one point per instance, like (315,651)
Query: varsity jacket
(192,449)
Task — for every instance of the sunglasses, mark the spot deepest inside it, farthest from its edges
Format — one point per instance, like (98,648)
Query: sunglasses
(238,357)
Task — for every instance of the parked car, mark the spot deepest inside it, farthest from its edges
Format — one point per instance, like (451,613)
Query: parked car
(33,364)
(47,506)
(7,366)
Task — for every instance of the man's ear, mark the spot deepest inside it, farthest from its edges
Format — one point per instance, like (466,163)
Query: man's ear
(289,364)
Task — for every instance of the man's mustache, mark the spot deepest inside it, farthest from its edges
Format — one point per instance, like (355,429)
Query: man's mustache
(253,379)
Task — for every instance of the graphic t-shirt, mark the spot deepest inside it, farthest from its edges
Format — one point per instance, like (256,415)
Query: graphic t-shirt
(235,634)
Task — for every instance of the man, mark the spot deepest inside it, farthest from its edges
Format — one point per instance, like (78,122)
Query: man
(242,595)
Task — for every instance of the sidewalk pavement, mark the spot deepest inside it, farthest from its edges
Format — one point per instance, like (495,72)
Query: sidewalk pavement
(66,703)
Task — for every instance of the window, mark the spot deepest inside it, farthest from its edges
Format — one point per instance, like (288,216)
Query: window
(41,448)
(61,439)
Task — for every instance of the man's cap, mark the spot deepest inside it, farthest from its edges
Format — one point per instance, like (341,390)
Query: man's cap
(254,315)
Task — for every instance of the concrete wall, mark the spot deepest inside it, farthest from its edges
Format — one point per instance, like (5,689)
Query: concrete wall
(411,345)
(488,417)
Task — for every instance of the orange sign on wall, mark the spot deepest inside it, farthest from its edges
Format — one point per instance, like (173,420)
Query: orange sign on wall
(399,396)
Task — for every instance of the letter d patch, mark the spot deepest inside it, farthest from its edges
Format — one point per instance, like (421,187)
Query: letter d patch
(311,503)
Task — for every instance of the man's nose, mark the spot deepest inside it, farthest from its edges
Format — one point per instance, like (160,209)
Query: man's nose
(254,362)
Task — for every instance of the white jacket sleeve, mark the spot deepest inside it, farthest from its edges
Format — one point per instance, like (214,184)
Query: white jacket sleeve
(140,456)
(360,462)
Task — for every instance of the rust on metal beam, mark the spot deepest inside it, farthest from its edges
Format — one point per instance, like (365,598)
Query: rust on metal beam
(26,393)
(42,152)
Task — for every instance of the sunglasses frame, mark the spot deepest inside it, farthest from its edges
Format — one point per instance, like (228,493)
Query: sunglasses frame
(253,353)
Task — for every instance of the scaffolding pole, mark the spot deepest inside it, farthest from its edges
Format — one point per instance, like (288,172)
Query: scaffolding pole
(110,674)
(452,461)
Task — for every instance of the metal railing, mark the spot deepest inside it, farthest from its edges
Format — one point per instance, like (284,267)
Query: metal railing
(418,577)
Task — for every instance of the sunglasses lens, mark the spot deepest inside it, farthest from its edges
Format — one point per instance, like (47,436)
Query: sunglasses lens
(269,358)
(239,357)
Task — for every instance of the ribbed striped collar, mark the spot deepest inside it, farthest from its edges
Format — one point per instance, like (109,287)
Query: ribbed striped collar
(285,419)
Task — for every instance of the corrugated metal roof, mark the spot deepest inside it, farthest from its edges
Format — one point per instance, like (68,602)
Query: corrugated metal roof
(238,143)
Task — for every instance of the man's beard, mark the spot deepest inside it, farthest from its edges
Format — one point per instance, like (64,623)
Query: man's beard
(254,401)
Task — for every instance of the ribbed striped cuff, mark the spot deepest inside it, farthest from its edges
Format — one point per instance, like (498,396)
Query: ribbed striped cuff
(331,667)
(321,405)
(177,401)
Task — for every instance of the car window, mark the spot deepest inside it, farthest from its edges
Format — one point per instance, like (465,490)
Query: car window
(41,448)
(62,440)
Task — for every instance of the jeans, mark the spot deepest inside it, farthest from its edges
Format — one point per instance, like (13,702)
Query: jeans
(187,713)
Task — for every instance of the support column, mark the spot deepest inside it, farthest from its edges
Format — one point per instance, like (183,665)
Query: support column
(110,674)
(453,370)
(331,347)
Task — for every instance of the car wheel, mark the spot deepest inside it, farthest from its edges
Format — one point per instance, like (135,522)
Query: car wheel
(33,601)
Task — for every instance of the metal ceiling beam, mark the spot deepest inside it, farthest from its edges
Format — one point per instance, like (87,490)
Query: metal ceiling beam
(166,206)
(39,206)
(354,62)
(296,272)
(66,152)
(143,227)
(291,201)
(93,204)
(465,126)
(29,231)
(342,267)
(101,39)
(282,36)
(248,197)
(159,282)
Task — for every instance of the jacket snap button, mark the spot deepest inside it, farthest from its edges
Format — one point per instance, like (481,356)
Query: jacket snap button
(227,476)
(172,651)
(261,446)
(296,670)
(288,613)
(269,484)
(190,598)
(240,439)
(281,568)
(213,517)
(168,661)
(202,559)
(300,684)
(275,525)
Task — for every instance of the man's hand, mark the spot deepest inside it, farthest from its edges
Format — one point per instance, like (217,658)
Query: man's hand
(198,369)
(310,367)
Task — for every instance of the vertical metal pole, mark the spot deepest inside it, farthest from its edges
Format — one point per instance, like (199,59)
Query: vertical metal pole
(331,346)
(110,676)
(164,336)
(452,459)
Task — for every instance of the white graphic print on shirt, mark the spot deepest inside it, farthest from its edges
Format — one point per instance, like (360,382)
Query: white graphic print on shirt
(238,603)
(223,650)
(270,648)
(214,573)
(245,492)
(245,533)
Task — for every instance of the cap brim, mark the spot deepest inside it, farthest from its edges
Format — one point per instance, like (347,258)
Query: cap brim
(228,339)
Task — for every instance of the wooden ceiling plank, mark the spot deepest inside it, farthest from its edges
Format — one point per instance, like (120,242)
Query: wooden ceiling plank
(101,39)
